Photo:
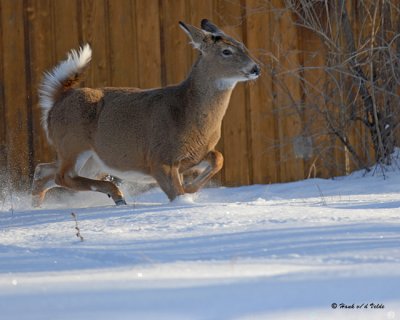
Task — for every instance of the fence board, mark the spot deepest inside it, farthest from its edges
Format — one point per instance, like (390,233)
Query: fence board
(289,121)
(66,27)
(262,117)
(15,95)
(176,56)
(234,127)
(123,44)
(40,47)
(94,31)
(354,132)
(3,131)
(314,79)
(149,48)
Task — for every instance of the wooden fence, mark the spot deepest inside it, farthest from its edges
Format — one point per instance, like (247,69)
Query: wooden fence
(138,43)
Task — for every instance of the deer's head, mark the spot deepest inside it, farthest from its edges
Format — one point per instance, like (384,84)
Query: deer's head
(229,60)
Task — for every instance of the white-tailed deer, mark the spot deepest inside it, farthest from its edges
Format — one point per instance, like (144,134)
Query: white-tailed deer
(161,132)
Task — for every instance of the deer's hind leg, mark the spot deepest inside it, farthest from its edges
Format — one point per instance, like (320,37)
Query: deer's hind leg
(43,181)
(90,168)
(67,177)
(215,162)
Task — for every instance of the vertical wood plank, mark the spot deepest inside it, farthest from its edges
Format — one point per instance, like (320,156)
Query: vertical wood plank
(260,110)
(66,27)
(354,130)
(234,128)
(149,50)
(40,48)
(340,156)
(94,32)
(176,50)
(313,52)
(287,93)
(3,132)
(15,95)
(123,46)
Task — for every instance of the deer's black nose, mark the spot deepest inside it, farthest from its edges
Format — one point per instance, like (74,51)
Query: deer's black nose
(256,70)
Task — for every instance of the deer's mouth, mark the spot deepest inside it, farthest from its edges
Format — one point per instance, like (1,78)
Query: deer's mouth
(252,76)
(254,73)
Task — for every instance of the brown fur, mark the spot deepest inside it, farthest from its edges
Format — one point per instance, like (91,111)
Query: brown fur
(161,132)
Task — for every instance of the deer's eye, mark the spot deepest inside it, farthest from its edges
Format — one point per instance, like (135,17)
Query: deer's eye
(226,52)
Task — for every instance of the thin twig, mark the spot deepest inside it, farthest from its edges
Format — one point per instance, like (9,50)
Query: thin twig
(321,195)
(78,231)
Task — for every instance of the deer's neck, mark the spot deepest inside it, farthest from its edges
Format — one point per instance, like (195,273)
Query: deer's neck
(206,92)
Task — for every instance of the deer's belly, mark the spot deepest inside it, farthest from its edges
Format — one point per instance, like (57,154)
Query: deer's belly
(90,165)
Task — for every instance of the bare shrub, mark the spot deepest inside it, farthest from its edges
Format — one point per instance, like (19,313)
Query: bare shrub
(350,96)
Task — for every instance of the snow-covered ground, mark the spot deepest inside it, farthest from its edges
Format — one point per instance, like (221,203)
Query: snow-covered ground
(283,251)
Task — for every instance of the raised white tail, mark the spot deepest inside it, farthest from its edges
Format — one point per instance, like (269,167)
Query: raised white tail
(63,76)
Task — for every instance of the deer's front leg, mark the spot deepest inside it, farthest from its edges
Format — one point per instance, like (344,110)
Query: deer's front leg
(169,179)
(215,162)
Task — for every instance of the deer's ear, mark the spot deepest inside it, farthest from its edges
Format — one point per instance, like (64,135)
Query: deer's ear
(210,27)
(196,35)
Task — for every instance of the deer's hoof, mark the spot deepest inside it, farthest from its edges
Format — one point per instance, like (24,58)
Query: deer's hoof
(120,202)
(36,201)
